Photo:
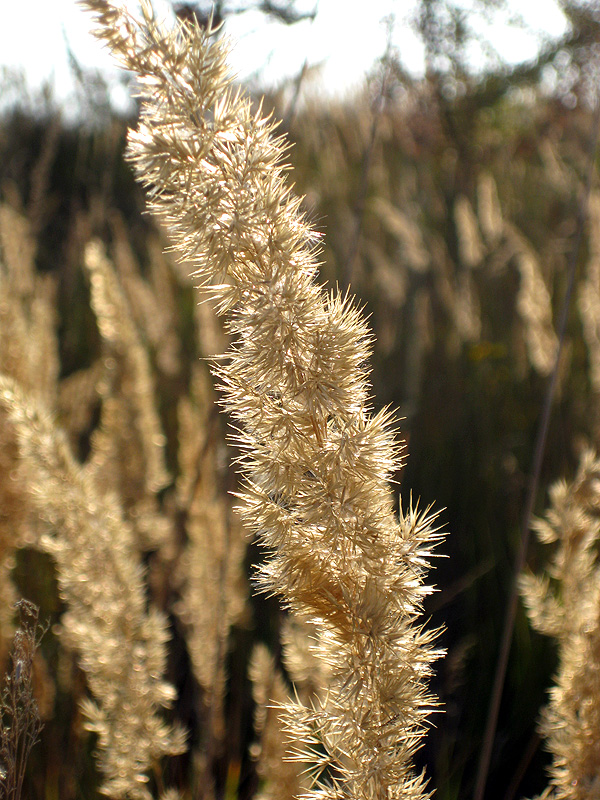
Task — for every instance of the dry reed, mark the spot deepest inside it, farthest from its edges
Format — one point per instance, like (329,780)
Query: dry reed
(121,644)
(316,460)
(563,603)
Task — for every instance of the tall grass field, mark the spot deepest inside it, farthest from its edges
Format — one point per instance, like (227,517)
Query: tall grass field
(280,405)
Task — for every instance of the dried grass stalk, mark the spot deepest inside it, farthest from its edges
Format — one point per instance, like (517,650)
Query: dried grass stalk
(589,293)
(20,721)
(534,305)
(564,603)
(213,591)
(119,332)
(489,210)
(29,354)
(128,447)
(121,644)
(470,246)
(317,462)
(281,775)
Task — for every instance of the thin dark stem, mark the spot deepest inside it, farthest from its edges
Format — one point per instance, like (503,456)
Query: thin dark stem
(463,584)
(20,723)
(540,446)
(525,761)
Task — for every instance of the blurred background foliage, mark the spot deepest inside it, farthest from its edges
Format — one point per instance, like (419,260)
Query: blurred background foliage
(450,206)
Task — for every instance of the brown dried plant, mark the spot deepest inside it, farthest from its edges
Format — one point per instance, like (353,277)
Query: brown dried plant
(127,449)
(123,472)
(20,721)
(317,462)
(149,293)
(470,246)
(28,353)
(589,294)
(120,642)
(534,304)
(280,774)
(489,211)
(564,603)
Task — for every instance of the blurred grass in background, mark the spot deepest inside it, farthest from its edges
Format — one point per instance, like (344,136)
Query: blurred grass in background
(450,208)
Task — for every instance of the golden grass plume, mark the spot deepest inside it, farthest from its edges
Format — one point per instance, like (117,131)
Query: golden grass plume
(316,460)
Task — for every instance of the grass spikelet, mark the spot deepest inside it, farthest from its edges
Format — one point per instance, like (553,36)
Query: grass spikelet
(150,296)
(28,346)
(121,645)
(566,608)
(29,354)
(489,210)
(316,461)
(470,246)
(128,446)
(535,308)
(308,672)
(118,330)
(406,232)
(280,773)
(589,294)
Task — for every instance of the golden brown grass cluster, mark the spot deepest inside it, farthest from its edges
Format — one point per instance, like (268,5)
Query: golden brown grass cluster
(119,472)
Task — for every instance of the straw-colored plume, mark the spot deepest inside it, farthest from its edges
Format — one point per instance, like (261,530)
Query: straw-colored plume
(589,293)
(28,347)
(460,297)
(466,309)
(121,644)
(281,774)
(128,446)
(563,603)
(317,462)
(489,210)
(18,250)
(78,397)
(555,169)
(470,246)
(115,321)
(162,313)
(278,752)
(150,297)
(300,657)
(407,233)
(534,305)
(28,353)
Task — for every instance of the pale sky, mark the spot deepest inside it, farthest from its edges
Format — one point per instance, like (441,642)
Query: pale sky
(346,37)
